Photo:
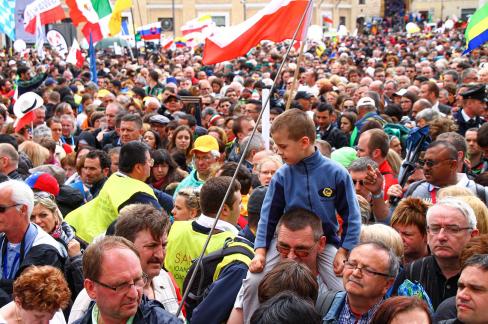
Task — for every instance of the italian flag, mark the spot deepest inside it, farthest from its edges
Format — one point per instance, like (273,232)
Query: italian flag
(95,13)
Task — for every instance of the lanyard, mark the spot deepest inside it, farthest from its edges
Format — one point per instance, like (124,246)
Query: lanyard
(19,257)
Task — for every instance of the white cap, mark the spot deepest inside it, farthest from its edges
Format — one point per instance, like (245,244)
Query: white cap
(366,101)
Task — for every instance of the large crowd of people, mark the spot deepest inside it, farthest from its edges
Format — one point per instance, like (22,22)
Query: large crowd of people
(113,184)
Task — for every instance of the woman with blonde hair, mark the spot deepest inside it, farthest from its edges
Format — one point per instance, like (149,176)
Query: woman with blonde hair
(39,295)
(186,204)
(37,153)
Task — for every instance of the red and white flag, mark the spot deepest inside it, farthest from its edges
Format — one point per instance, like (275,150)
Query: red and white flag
(75,56)
(49,12)
(275,22)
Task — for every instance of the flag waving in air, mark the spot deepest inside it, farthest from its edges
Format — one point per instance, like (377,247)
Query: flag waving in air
(476,33)
(95,13)
(275,22)
(90,11)
(48,11)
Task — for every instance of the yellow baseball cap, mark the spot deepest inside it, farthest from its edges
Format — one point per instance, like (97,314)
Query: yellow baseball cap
(205,144)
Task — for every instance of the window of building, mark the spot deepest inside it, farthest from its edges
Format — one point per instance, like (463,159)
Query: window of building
(220,21)
(342,20)
(361,2)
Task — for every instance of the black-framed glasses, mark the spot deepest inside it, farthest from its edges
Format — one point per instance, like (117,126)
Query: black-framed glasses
(448,229)
(430,163)
(3,209)
(364,270)
(301,253)
(125,287)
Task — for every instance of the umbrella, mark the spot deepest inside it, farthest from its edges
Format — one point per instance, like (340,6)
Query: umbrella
(417,141)
(109,42)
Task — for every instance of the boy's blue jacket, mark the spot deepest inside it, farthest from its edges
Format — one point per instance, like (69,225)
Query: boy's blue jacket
(317,184)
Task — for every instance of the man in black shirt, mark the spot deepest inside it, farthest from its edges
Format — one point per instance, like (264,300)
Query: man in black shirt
(326,130)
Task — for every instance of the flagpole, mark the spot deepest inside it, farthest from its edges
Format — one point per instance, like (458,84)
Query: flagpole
(295,75)
(241,160)
(134,29)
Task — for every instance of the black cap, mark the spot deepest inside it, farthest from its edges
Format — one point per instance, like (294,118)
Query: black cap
(303,95)
(172,96)
(256,200)
(477,92)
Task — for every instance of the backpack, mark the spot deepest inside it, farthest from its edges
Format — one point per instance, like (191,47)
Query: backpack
(206,272)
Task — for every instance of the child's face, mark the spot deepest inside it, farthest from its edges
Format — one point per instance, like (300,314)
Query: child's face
(291,151)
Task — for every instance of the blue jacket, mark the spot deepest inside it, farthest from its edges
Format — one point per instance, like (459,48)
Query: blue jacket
(335,309)
(317,184)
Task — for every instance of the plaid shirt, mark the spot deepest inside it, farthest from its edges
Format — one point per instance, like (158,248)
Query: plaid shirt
(347,317)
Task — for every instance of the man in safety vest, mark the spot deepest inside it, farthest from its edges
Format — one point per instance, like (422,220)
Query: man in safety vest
(121,188)
(186,238)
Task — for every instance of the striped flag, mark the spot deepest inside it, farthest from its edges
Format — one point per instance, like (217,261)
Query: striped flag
(47,11)
(476,33)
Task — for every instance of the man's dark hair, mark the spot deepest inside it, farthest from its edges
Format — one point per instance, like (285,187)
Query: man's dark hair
(378,140)
(451,149)
(299,218)
(139,217)
(286,308)
(213,192)
(102,157)
(190,119)
(132,118)
(482,138)
(22,69)
(9,139)
(243,175)
(255,102)
(323,106)
(454,74)
(237,126)
(131,154)
(477,260)
(154,75)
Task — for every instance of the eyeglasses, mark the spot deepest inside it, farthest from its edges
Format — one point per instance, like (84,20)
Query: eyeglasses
(205,158)
(125,287)
(365,271)
(3,209)
(430,163)
(361,182)
(349,106)
(448,229)
(301,253)
(150,162)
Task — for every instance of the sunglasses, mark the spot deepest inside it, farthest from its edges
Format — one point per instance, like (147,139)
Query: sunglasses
(361,182)
(3,209)
(301,253)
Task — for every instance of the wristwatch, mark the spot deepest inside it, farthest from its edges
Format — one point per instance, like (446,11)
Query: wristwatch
(378,196)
